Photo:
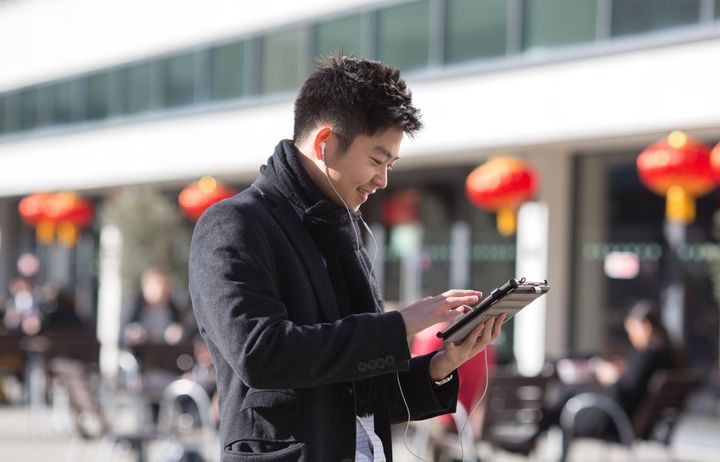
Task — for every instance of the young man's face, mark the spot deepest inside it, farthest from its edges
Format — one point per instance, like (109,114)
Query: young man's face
(363,168)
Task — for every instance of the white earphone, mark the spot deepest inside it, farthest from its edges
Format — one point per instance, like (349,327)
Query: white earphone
(322,149)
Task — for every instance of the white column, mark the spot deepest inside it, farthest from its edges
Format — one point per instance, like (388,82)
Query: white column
(109,299)
(410,271)
(460,255)
(531,262)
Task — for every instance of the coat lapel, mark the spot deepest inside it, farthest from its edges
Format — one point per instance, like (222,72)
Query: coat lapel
(305,247)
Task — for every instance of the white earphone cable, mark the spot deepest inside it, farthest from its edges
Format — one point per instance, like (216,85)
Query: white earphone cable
(407,427)
(347,209)
(375,244)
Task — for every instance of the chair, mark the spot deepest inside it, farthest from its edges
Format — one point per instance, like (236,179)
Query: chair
(12,357)
(163,356)
(514,415)
(657,415)
(170,411)
(654,419)
(93,420)
(513,420)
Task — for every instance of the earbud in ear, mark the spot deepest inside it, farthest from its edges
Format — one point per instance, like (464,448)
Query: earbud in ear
(322,149)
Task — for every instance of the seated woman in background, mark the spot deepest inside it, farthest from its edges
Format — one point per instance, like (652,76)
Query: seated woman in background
(625,381)
(653,351)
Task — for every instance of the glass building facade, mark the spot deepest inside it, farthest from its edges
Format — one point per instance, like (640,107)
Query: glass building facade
(414,36)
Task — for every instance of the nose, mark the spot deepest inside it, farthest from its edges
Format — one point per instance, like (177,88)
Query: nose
(381,179)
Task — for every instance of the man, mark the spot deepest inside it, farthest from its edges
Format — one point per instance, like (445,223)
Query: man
(309,366)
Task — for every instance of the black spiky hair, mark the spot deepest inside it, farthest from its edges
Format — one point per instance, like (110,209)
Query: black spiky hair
(356,97)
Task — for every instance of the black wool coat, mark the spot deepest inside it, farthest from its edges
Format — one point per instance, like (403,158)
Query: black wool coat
(285,359)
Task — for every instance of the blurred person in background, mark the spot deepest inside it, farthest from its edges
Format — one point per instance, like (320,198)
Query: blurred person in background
(625,380)
(22,309)
(59,308)
(154,326)
(155,318)
(310,366)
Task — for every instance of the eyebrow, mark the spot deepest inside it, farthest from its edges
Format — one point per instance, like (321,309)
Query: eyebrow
(385,152)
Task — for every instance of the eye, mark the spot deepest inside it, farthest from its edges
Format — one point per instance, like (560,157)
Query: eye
(377,162)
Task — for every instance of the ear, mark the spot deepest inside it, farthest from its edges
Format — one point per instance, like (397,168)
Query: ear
(321,142)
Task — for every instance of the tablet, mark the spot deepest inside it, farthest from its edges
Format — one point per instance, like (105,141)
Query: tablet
(510,298)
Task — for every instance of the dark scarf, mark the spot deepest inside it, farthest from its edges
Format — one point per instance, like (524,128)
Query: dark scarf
(337,234)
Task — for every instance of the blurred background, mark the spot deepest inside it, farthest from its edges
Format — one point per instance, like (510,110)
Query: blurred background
(120,122)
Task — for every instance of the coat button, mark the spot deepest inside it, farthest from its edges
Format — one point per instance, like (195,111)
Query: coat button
(389,360)
(372,364)
(362,367)
(381,364)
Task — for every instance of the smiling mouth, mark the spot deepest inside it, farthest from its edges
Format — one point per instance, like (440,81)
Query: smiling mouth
(365,194)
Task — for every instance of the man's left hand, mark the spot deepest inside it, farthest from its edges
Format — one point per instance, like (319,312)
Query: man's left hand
(452,355)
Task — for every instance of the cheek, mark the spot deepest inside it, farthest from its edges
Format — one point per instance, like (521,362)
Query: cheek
(366,175)
(356,177)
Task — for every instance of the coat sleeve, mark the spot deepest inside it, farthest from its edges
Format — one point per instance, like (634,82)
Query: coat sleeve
(233,286)
(423,397)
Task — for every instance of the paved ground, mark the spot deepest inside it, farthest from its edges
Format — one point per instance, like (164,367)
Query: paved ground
(697,440)
(27,439)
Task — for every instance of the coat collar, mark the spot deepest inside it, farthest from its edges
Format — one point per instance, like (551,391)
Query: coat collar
(310,255)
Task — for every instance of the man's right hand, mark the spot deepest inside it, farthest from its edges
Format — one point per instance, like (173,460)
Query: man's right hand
(440,308)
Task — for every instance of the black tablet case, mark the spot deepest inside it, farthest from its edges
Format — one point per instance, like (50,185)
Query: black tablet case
(510,298)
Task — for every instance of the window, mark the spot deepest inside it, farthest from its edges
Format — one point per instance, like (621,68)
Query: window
(12,111)
(227,64)
(180,80)
(141,89)
(28,108)
(62,102)
(339,34)
(475,29)
(551,23)
(717,9)
(281,55)
(638,16)
(45,97)
(404,35)
(98,96)
(2,114)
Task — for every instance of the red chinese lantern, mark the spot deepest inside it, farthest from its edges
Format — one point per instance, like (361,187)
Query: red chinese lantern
(500,185)
(198,196)
(64,212)
(400,208)
(679,169)
(69,212)
(32,208)
(32,211)
(715,161)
